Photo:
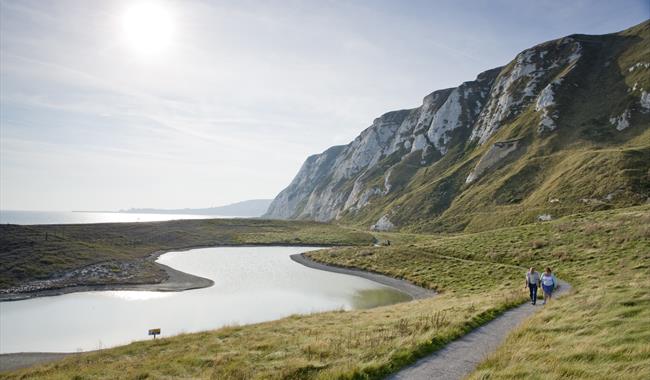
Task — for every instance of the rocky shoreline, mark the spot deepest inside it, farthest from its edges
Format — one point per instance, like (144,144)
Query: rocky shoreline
(121,273)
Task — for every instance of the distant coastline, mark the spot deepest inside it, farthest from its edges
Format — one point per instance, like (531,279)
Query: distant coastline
(96,211)
(254,208)
(251,208)
(89,217)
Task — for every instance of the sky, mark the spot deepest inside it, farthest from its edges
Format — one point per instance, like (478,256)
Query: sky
(107,105)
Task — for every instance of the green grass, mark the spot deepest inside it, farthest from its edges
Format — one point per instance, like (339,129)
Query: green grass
(598,330)
(37,252)
(602,330)
(424,267)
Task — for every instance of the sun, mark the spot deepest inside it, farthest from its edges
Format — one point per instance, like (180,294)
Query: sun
(148,27)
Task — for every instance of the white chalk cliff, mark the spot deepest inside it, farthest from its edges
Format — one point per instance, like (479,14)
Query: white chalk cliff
(534,89)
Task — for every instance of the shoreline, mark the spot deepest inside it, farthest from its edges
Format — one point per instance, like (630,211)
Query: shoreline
(414,291)
(176,281)
(179,281)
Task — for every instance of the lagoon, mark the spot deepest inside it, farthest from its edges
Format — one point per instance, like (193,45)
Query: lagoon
(251,284)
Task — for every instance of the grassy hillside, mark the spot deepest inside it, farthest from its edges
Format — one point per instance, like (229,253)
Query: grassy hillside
(601,332)
(41,251)
(598,330)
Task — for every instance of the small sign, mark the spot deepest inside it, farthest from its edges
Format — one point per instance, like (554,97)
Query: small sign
(154,332)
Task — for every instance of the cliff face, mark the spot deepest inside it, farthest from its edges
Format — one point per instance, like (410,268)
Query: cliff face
(416,167)
(334,180)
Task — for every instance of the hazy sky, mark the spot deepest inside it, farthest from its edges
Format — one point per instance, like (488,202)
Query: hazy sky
(226,101)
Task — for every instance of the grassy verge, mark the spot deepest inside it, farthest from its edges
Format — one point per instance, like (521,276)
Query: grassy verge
(601,332)
(39,252)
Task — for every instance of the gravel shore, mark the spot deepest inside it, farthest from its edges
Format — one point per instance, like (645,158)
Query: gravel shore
(416,292)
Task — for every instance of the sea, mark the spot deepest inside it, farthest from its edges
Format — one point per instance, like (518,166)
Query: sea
(84,217)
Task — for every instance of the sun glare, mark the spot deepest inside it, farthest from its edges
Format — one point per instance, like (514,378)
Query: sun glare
(148,27)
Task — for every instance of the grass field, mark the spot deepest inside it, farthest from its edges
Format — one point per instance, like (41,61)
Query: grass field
(38,252)
(599,330)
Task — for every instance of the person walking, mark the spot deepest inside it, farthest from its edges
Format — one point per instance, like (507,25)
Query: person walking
(532,283)
(549,283)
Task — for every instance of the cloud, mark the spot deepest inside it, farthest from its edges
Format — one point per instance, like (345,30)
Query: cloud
(246,91)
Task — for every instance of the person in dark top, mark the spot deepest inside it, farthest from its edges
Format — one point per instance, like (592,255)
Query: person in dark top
(532,283)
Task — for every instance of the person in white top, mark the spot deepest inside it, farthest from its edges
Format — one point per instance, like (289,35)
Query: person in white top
(549,283)
(532,283)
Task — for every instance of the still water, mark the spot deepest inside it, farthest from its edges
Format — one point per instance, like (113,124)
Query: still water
(252,284)
(78,217)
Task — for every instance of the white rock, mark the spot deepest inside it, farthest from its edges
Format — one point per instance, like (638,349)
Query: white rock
(545,101)
(544,217)
(621,122)
(383,224)
(501,103)
(504,102)
(645,101)
(639,65)
(446,119)
(387,185)
(419,143)
(546,97)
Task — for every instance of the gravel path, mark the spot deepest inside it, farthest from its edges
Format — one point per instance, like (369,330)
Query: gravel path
(404,286)
(460,357)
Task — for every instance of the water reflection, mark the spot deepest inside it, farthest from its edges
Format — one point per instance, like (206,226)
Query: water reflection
(369,298)
(129,295)
(252,284)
